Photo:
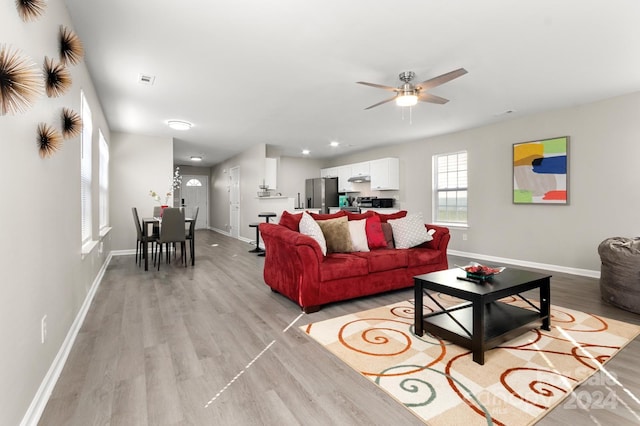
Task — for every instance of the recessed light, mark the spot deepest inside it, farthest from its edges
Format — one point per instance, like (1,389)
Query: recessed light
(306,152)
(196,158)
(334,143)
(179,124)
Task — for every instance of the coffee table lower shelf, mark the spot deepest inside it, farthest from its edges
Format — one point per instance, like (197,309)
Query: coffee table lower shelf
(502,322)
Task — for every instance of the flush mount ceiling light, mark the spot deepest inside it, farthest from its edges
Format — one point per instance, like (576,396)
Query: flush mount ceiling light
(334,144)
(196,158)
(179,124)
(306,152)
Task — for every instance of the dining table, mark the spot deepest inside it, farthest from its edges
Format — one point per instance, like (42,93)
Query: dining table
(153,222)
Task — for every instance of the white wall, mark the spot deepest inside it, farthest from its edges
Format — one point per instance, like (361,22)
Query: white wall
(40,258)
(603,184)
(139,164)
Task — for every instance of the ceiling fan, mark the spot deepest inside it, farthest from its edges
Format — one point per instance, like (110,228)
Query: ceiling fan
(408,94)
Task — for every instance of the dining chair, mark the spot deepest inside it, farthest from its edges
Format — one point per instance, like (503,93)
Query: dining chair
(156,211)
(142,239)
(190,235)
(172,231)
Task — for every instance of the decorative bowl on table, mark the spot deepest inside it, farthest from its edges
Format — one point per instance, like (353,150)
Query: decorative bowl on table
(480,272)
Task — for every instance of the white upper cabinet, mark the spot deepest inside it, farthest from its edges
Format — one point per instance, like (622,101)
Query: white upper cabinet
(360,169)
(329,172)
(385,174)
(344,173)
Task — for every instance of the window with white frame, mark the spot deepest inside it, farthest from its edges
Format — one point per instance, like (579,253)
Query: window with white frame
(450,188)
(104,181)
(85,168)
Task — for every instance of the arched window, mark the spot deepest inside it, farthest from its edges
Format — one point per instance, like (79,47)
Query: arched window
(194,182)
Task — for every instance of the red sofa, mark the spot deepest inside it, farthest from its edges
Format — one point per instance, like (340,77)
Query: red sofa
(295,267)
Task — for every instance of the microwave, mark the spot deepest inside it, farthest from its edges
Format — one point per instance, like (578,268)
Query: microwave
(382,203)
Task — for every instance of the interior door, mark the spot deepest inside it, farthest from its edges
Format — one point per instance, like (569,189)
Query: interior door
(195,193)
(234,202)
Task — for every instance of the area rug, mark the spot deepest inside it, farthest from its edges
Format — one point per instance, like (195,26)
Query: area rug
(438,381)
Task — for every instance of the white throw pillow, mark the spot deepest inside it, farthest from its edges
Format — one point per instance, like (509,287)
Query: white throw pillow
(409,231)
(358,235)
(309,227)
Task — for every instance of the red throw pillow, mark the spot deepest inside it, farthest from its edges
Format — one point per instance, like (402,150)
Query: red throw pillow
(375,236)
(317,216)
(291,221)
(385,217)
(360,216)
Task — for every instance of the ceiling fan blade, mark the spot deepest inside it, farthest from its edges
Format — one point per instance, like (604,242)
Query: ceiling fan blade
(383,102)
(378,86)
(441,79)
(428,97)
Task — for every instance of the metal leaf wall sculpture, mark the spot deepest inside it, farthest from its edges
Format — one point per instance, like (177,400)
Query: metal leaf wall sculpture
(71,50)
(49,140)
(71,123)
(30,10)
(57,78)
(20,81)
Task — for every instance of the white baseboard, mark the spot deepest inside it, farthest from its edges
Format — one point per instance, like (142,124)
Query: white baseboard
(517,262)
(219,231)
(39,402)
(127,252)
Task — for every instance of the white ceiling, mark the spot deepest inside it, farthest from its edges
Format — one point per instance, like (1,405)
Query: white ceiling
(283,72)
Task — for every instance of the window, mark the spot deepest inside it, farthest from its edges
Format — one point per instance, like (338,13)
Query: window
(85,169)
(450,188)
(194,182)
(104,181)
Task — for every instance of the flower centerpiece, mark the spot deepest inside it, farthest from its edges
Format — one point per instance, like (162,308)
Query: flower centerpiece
(153,194)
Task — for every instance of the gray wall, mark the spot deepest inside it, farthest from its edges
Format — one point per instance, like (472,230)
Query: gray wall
(43,270)
(603,184)
(139,164)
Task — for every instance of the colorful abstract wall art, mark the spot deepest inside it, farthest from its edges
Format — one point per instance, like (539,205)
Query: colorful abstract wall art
(540,171)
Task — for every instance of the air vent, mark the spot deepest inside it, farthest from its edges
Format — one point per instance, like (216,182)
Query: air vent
(146,79)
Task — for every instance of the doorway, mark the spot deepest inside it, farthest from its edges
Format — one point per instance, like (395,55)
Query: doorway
(234,202)
(195,193)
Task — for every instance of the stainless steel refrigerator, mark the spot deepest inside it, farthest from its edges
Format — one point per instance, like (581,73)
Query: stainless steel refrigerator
(321,193)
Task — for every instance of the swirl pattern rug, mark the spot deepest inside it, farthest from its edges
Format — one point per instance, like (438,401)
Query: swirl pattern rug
(438,381)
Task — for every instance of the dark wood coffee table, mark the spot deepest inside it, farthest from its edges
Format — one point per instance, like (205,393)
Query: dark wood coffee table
(482,322)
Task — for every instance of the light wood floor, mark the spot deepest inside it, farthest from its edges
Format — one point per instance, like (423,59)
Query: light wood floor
(212,345)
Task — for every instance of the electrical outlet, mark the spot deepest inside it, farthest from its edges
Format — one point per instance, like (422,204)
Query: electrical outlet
(43,329)
(464,237)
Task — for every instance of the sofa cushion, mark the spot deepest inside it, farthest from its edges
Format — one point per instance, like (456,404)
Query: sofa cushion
(422,256)
(342,265)
(359,216)
(358,235)
(409,231)
(319,216)
(387,217)
(388,235)
(310,227)
(336,233)
(291,221)
(375,236)
(385,259)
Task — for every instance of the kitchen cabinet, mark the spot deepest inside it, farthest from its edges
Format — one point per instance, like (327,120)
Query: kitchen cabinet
(360,169)
(385,174)
(329,172)
(344,173)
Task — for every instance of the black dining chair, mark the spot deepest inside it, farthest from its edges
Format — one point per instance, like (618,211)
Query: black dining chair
(172,231)
(190,235)
(142,239)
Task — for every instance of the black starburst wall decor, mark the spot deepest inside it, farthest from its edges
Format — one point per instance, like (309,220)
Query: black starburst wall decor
(71,123)
(57,78)
(20,81)
(49,140)
(30,10)
(71,50)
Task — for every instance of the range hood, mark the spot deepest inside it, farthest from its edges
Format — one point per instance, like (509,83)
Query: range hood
(365,178)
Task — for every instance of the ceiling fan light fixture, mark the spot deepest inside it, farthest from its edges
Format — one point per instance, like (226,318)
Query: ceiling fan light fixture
(179,124)
(407,100)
